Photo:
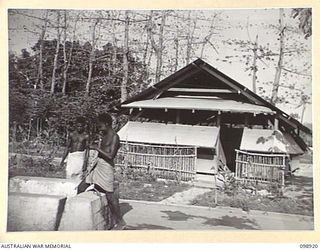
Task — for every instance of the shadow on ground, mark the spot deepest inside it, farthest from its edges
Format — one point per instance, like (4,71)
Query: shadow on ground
(233,221)
(147,227)
(125,208)
(229,221)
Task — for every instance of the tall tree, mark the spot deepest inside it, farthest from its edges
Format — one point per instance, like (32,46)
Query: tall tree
(192,23)
(157,47)
(207,38)
(276,82)
(254,65)
(92,53)
(55,62)
(65,64)
(176,45)
(68,56)
(124,83)
(41,39)
(114,39)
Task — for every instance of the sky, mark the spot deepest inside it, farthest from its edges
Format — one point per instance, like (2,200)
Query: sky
(255,19)
(235,70)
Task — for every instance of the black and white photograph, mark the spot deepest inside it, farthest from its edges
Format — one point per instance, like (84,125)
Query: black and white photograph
(160,119)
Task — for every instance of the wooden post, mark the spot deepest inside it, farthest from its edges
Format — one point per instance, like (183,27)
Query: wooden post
(195,162)
(282,177)
(276,124)
(215,188)
(126,155)
(178,116)
(246,120)
(217,152)
(237,164)
(219,118)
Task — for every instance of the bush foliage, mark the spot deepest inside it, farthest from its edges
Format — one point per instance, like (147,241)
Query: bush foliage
(35,112)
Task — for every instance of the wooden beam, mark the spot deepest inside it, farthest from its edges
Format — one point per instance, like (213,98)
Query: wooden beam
(165,84)
(198,90)
(230,84)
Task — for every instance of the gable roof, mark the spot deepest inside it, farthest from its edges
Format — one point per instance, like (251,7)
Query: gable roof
(222,81)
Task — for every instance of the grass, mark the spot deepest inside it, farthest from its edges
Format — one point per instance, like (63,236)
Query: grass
(138,184)
(35,166)
(297,198)
(149,190)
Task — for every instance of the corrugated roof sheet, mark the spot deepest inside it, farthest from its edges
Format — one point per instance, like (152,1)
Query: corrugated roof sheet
(266,140)
(214,104)
(169,134)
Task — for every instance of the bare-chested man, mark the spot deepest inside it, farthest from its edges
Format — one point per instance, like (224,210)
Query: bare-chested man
(102,175)
(77,151)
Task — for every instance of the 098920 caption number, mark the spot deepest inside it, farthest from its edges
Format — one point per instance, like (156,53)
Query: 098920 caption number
(309,246)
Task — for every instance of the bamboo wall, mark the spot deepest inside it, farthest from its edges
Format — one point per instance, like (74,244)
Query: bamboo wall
(164,161)
(264,168)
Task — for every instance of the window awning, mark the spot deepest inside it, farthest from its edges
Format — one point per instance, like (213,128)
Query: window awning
(169,134)
(266,140)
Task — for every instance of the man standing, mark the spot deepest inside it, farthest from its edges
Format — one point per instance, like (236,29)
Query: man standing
(102,174)
(76,151)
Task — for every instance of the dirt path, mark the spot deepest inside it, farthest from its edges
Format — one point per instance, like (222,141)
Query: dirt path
(142,215)
(185,197)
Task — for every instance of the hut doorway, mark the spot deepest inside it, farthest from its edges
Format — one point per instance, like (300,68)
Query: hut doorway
(230,139)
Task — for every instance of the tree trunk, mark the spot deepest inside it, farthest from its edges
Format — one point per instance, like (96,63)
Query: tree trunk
(65,60)
(124,92)
(276,83)
(147,42)
(147,61)
(92,56)
(114,47)
(40,67)
(176,44)
(55,61)
(303,110)
(207,38)
(190,36)
(160,48)
(254,66)
(188,52)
